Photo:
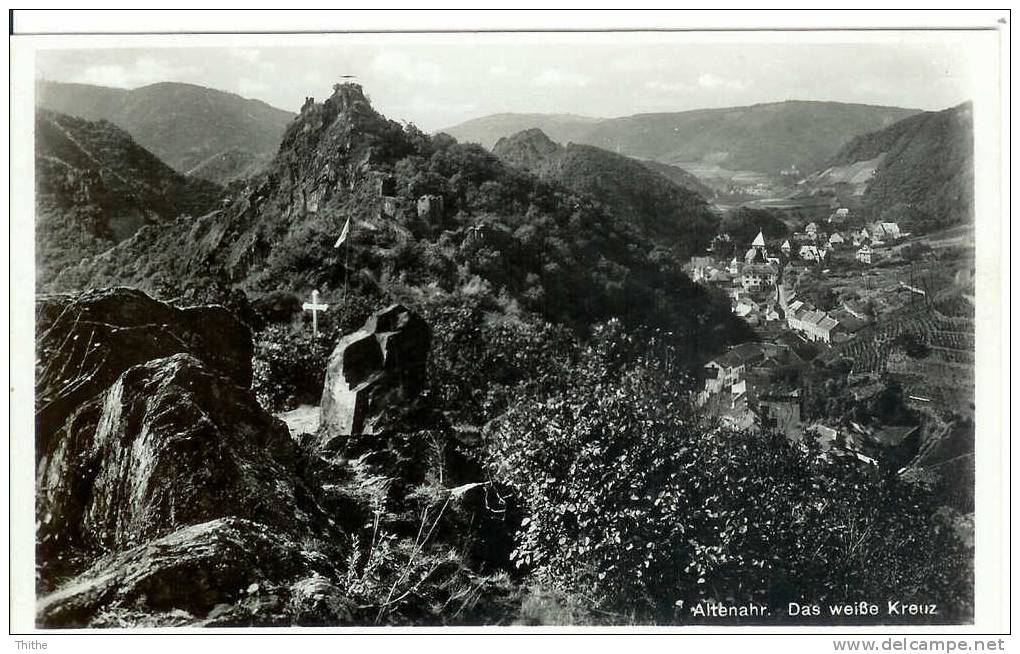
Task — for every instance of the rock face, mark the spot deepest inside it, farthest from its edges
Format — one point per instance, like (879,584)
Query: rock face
(170,443)
(86,342)
(192,569)
(373,371)
(161,484)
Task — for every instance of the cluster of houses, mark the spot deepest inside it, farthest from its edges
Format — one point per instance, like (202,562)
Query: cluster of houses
(743,379)
(817,242)
(836,326)
(750,283)
(758,295)
(745,368)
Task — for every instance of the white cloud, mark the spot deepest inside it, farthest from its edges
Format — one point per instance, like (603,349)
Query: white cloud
(710,81)
(411,70)
(142,71)
(556,77)
(499,70)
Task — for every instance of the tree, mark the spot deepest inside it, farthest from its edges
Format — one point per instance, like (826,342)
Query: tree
(744,223)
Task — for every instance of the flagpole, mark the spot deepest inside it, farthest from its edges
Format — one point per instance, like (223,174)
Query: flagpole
(347,274)
(343,240)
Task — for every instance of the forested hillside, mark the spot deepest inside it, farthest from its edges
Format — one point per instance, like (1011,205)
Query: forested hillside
(567,256)
(669,213)
(96,187)
(926,175)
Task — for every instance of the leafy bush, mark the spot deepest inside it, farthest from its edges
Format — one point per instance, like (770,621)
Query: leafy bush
(289,367)
(641,506)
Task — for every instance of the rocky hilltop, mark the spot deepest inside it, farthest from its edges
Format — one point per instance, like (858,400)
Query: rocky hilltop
(435,211)
(664,210)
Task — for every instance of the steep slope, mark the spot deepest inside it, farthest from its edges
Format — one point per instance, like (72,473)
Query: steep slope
(664,211)
(764,138)
(481,224)
(182,124)
(679,176)
(96,187)
(562,128)
(923,169)
(230,165)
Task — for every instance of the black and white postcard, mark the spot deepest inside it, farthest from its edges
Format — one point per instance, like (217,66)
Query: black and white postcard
(670,328)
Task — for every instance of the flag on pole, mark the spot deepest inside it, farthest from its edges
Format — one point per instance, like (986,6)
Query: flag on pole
(343,234)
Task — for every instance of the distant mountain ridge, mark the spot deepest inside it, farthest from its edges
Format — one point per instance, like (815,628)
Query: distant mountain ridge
(185,125)
(487,130)
(765,138)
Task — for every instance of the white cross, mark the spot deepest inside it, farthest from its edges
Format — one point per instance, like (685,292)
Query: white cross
(315,307)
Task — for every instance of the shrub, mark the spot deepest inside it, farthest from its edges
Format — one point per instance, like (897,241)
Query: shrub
(289,366)
(635,502)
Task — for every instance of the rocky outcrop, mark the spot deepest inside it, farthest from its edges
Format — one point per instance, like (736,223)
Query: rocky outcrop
(86,342)
(170,443)
(162,487)
(530,149)
(373,373)
(192,570)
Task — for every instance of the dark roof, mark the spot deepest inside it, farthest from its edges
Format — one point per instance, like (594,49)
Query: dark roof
(848,322)
(741,355)
(893,436)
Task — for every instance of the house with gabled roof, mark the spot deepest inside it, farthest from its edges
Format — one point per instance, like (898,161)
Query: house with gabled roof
(725,370)
(891,230)
(839,216)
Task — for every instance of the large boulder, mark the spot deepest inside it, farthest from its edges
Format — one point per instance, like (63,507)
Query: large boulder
(168,494)
(191,572)
(374,374)
(85,342)
(169,443)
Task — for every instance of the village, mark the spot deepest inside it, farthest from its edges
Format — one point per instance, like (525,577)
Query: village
(807,296)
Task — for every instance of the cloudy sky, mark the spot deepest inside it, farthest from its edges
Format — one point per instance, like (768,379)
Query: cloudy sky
(437,80)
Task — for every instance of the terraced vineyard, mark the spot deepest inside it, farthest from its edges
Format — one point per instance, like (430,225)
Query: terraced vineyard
(945,375)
